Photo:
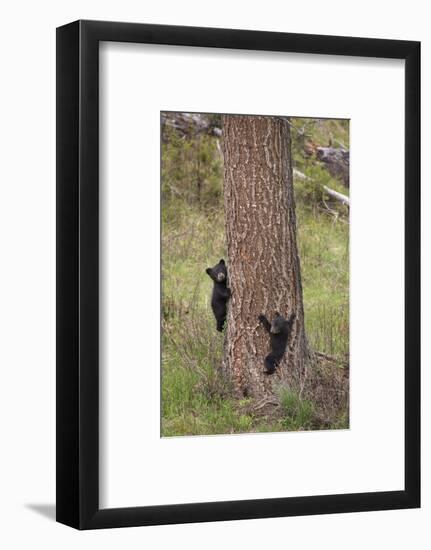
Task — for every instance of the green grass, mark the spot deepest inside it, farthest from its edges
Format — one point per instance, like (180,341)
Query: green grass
(324,254)
(298,413)
(195,398)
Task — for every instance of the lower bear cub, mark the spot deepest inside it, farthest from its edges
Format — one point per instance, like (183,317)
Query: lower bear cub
(221,293)
(279,333)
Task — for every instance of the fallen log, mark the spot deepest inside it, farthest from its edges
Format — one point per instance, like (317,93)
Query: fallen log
(300,175)
(336,195)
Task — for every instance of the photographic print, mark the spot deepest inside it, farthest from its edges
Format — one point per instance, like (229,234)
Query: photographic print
(255,273)
(237,214)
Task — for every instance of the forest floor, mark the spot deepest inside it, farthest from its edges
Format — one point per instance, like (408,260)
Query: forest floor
(195,400)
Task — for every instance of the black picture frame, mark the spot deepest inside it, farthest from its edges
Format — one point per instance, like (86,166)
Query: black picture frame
(78,274)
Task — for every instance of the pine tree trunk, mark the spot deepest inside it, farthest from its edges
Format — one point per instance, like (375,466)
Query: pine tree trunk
(263,263)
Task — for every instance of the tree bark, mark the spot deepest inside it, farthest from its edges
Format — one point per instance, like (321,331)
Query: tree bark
(263,263)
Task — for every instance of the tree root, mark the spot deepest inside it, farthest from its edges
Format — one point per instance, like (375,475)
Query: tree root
(264,403)
(331,358)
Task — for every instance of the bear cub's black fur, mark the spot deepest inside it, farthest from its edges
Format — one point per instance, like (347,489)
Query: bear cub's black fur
(279,333)
(221,293)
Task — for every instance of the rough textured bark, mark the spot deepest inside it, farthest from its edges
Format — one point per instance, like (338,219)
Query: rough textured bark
(263,263)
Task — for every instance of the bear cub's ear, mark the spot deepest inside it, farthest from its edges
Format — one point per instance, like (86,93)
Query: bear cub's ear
(222,261)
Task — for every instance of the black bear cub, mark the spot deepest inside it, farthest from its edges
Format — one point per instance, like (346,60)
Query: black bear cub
(279,333)
(221,292)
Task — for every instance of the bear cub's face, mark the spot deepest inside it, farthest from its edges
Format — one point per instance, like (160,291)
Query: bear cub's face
(218,273)
(278,324)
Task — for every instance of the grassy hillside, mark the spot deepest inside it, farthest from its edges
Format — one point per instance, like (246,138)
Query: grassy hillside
(195,400)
